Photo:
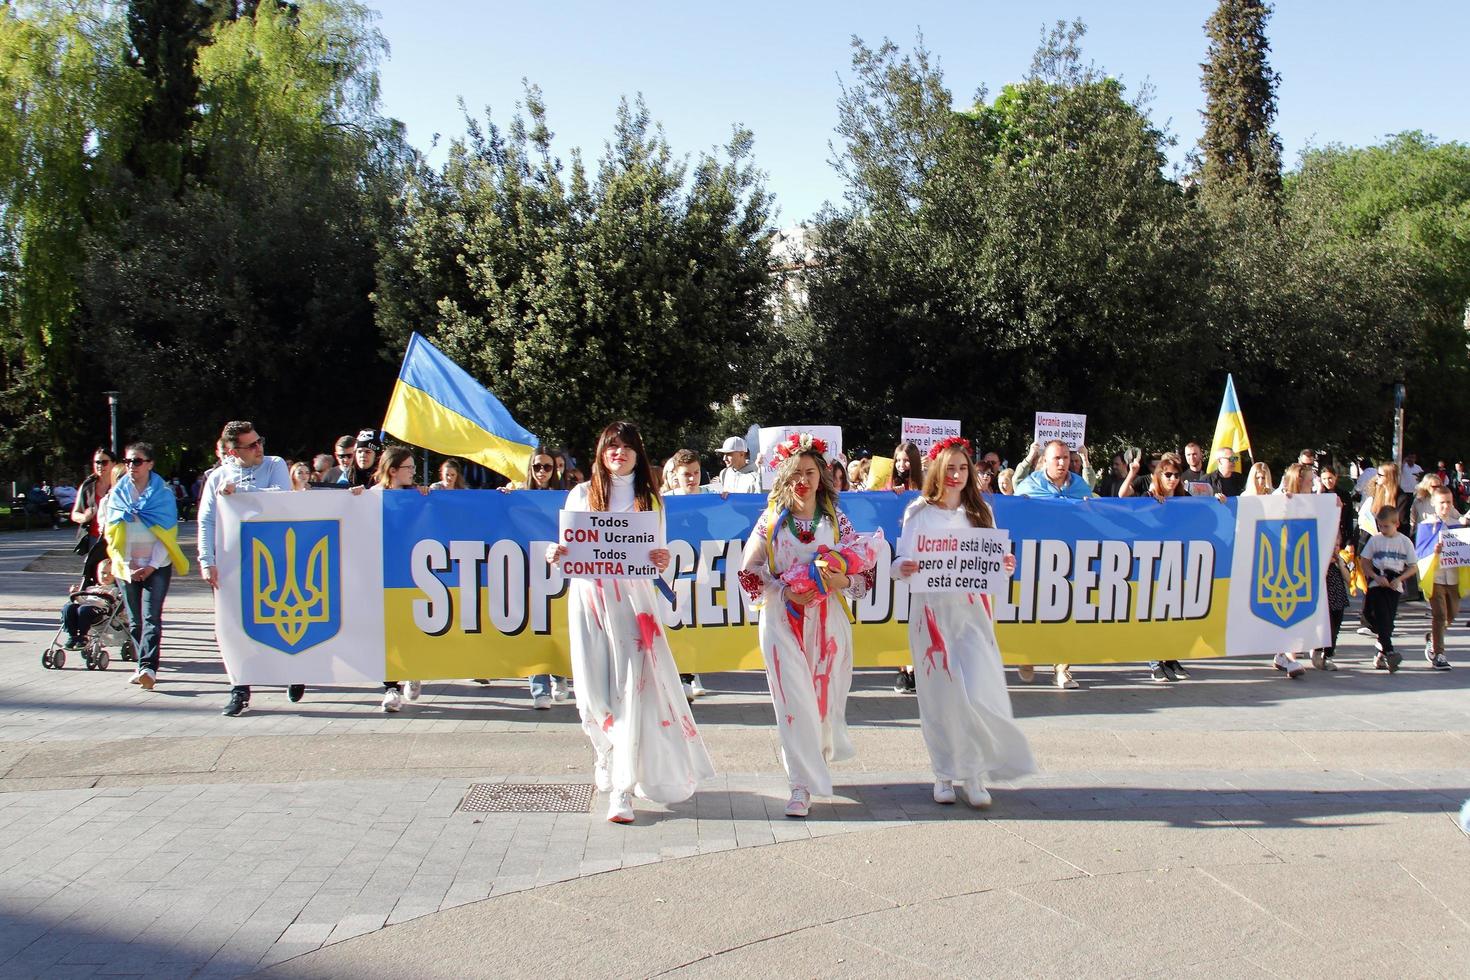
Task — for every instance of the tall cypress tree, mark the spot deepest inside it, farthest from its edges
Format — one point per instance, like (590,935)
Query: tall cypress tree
(1238,146)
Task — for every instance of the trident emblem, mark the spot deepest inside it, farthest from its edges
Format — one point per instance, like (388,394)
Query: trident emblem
(1284,572)
(293,604)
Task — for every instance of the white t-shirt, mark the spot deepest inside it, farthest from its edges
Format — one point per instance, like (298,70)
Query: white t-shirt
(1390,557)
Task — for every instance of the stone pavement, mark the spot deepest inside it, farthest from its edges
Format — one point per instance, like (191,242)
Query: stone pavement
(1234,824)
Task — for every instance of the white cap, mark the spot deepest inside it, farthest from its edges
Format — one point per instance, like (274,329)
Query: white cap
(734,444)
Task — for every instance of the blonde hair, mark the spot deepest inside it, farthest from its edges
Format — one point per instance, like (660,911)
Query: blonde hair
(1294,476)
(1386,489)
(971,500)
(1258,477)
(1430,483)
(783,498)
(1005,481)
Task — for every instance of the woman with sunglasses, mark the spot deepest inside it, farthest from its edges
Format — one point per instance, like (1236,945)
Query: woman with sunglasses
(628,691)
(143,544)
(1166,481)
(93,491)
(543,473)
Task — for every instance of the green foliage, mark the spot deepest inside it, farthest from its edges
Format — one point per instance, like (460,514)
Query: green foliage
(1239,148)
(1026,251)
(636,292)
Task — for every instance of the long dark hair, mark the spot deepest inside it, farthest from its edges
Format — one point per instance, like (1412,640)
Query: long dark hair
(557,480)
(645,489)
(971,500)
(913,479)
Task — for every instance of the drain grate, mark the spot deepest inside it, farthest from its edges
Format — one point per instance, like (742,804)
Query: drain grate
(528,798)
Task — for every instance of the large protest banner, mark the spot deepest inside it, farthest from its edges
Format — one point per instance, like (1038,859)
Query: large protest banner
(325,587)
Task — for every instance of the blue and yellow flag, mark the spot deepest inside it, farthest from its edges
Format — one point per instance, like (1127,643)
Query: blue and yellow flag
(156,508)
(1230,428)
(1426,536)
(437,405)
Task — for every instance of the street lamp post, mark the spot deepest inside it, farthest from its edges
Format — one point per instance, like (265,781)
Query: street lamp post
(112,412)
(1399,394)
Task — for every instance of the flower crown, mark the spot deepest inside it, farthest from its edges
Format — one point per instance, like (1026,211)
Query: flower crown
(953,442)
(799,442)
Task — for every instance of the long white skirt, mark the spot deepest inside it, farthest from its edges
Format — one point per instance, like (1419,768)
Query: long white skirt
(629,694)
(964,709)
(809,677)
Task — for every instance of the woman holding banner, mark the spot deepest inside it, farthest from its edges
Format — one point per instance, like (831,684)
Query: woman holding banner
(628,691)
(805,634)
(964,710)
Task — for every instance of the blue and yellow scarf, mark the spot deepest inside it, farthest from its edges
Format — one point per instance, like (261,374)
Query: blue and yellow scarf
(155,507)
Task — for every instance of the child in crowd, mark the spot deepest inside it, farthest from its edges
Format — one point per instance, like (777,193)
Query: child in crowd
(1443,587)
(683,476)
(1388,561)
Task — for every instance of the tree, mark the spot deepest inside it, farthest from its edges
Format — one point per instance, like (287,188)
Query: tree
(577,298)
(1238,146)
(66,96)
(1024,250)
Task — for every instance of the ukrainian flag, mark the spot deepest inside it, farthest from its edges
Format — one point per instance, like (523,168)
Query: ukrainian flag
(1229,428)
(1426,536)
(437,405)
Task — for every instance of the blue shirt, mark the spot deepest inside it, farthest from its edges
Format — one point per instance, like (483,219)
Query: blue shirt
(271,474)
(1037,485)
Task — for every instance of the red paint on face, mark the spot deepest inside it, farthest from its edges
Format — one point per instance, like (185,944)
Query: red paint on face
(801,489)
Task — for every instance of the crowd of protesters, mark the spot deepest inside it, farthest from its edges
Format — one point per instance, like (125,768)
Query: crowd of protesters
(129,513)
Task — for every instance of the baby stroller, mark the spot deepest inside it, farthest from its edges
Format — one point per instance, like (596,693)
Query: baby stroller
(93,618)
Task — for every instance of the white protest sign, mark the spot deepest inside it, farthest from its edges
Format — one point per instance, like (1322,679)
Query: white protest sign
(924,433)
(1071,429)
(603,545)
(958,560)
(1199,489)
(1455,550)
(772,435)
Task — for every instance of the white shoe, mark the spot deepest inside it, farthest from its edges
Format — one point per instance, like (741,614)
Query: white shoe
(1319,660)
(560,689)
(602,774)
(541,702)
(620,808)
(412,690)
(145,679)
(1026,673)
(1328,664)
(943,791)
(1064,680)
(697,686)
(1293,669)
(977,794)
(800,803)
(1364,631)
(392,700)
(688,691)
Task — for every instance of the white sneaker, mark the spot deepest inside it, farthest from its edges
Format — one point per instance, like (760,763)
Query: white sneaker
(1429,647)
(688,691)
(602,774)
(1026,673)
(560,689)
(1328,664)
(1064,680)
(800,803)
(697,686)
(1364,631)
(976,793)
(620,808)
(412,690)
(1319,660)
(943,791)
(541,702)
(392,700)
(1293,669)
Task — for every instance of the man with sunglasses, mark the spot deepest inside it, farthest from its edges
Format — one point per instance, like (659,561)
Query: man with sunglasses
(1225,481)
(244,468)
(342,454)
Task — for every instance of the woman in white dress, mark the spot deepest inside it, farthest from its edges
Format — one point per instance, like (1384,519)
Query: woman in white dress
(628,691)
(806,637)
(964,711)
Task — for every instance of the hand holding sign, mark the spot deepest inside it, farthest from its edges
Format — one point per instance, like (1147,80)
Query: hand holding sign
(601,545)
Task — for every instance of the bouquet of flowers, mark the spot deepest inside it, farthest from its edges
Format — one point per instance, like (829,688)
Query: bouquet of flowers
(855,557)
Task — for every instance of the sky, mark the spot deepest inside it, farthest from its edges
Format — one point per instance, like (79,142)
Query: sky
(1351,71)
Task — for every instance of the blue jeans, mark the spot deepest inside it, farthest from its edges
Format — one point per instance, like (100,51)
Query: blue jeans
(145,606)
(541,685)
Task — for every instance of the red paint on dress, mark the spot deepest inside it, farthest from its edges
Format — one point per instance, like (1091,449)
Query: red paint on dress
(607,723)
(936,644)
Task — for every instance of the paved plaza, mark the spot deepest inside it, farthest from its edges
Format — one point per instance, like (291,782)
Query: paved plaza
(1236,824)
